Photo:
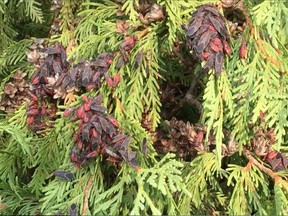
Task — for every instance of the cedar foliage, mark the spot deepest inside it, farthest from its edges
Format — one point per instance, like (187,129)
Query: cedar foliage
(226,172)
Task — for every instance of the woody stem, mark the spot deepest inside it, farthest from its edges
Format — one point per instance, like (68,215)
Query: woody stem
(255,162)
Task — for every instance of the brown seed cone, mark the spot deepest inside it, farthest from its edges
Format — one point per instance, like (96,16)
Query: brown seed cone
(146,123)
(182,138)
(208,37)
(14,93)
(149,13)
(262,141)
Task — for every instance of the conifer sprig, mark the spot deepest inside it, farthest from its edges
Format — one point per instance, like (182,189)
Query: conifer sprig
(235,161)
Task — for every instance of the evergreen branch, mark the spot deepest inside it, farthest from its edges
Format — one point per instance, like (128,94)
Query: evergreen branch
(129,9)
(11,153)
(13,56)
(255,162)
(86,195)
(110,200)
(22,200)
(251,93)
(264,16)
(216,93)
(281,200)
(201,186)
(165,178)
(33,10)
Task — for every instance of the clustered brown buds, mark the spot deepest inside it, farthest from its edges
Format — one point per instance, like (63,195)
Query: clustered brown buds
(42,108)
(184,139)
(52,67)
(15,92)
(151,13)
(208,37)
(84,75)
(56,77)
(98,133)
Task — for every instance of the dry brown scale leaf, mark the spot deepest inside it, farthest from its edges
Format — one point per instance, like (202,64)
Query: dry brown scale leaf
(122,26)
(15,92)
(146,123)
(36,54)
(56,5)
(236,9)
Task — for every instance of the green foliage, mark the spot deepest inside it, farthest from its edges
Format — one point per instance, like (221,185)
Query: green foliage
(96,30)
(32,9)
(210,182)
(216,94)
(273,16)
(280,190)
(248,182)
(204,187)
(15,13)
(154,191)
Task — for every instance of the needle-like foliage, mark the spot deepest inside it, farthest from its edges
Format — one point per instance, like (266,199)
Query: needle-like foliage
(167,136)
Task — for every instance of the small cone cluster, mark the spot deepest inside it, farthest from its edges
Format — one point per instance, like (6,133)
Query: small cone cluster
(14,92)
(208,37)
(187,140)
(183,139)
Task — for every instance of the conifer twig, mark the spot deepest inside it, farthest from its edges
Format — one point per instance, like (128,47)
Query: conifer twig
(141,34)
(86,196)
(264,169)
(259,43)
